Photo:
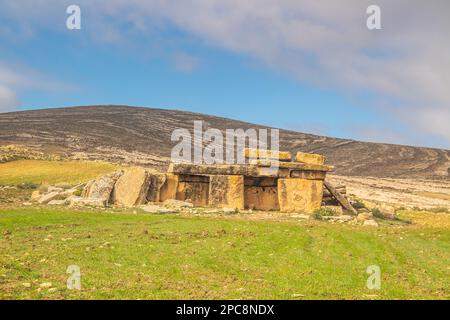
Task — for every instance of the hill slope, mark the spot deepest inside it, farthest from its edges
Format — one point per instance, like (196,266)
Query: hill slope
(142,136)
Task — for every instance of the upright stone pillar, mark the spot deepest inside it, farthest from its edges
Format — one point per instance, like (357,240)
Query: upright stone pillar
(299,195)
(226,191)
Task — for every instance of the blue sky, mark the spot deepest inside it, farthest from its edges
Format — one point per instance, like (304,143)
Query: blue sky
(157,58)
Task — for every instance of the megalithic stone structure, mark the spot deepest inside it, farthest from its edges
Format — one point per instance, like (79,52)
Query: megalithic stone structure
(270,181)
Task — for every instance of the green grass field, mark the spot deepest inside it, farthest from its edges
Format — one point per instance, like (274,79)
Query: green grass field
(127,255)
(148,256)
(51,172)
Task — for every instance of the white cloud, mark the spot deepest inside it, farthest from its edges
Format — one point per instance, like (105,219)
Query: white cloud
(184,62)
(320,42)
(14,77)
(8,100)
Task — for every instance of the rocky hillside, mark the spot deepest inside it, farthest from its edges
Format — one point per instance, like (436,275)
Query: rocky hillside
(142,136)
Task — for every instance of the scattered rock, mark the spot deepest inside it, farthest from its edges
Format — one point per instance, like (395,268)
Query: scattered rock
(178,204)
(27,204)
(52,290)
(54,189)
(91,202)
(45,285)
(230,210)
(26,284)
(341,218)
(370,223)
(46,198)
(35,195)
(301,216)
(158,209)
(57,203)
(364,216)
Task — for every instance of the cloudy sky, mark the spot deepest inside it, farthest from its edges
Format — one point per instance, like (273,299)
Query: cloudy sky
(310,66)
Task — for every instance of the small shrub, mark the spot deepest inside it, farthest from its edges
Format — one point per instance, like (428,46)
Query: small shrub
(377,213)
(358,205)
(77,193)
(323,212)
(439,210)
(27,186)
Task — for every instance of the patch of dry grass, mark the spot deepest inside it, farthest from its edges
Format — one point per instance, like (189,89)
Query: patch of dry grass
(51,172)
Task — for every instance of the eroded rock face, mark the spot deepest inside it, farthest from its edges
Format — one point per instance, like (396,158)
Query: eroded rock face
(132,187)
(102,187)
(156,181)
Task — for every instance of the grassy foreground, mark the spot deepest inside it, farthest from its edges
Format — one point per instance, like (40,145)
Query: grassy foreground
(51,172)
(130,255)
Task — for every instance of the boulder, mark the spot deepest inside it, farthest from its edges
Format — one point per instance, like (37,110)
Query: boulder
(370,223)
(364,216)
(35,195)
(46,198)
(102,187)
(132,187)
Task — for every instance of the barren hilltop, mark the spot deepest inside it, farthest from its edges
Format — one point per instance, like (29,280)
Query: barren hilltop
(142,136)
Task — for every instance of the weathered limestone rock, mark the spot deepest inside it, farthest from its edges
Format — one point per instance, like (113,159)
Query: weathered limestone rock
(370,223)
(132,187)
(102,187)
(90,202)
(267,154)
(156,182)
(35,195)
(169,188)
(364,216)
(299,195)
(87,188)
(226,191)
(54,189)
(310,158)
(291,165)
(214,169)
(46,198)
